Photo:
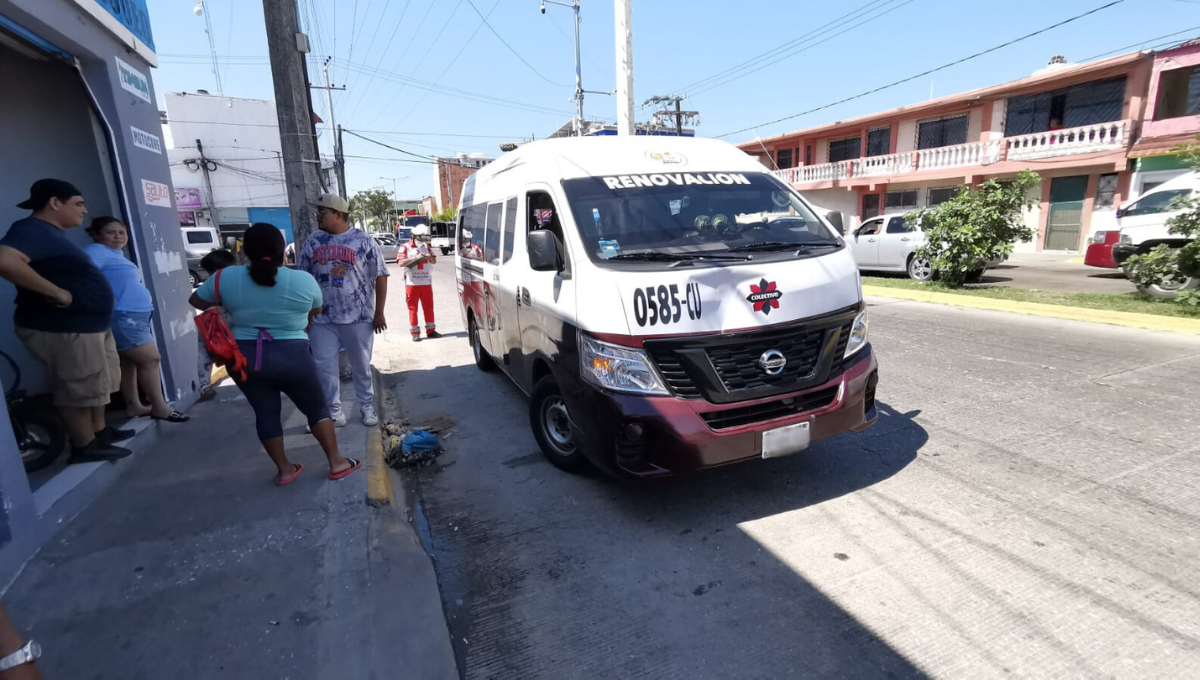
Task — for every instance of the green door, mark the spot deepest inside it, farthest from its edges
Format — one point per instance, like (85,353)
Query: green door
(1065,223)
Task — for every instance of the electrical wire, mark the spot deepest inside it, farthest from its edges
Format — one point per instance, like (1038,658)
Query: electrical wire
(382,55)
(371,44)
(806,47)
(421,61)
(1144,42)
(386,146)
(510,47)
(929,71)
(778,49)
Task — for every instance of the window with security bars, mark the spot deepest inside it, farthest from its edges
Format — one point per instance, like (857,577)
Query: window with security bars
(942,132)
(1178,93)
(808,154)
(845,149)
(879,142)
(870,206)
(1099,101)
(901,200)
(1106,191)
(941,195)
(783,158)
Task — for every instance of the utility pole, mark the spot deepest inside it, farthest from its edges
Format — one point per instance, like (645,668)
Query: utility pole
(212,200)
(339,160)
(287,46)
(574,5)
(674,117)
(624,30)
(337,139)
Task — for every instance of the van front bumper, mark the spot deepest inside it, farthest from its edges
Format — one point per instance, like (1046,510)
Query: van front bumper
(638,436)
(1122,252)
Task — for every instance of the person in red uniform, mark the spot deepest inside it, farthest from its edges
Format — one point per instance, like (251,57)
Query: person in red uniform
(418,263)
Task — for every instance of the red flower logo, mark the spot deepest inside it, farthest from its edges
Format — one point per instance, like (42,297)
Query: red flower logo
(764,296)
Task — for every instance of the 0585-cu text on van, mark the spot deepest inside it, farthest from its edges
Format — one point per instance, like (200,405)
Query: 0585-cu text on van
(666,303)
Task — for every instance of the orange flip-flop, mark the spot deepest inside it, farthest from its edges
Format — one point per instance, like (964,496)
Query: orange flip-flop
(290,478)
(354,465)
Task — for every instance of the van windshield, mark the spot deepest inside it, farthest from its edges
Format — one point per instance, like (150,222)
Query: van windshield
(692,214)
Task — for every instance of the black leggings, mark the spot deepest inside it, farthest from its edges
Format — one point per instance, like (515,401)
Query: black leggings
(287,367)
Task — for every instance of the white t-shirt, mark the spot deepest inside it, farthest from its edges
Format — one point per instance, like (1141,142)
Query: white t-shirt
(418,274)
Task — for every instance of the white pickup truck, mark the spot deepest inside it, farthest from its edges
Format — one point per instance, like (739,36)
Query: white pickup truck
(1143,225)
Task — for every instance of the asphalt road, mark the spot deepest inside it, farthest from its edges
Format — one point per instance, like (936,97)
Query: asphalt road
(1028,504)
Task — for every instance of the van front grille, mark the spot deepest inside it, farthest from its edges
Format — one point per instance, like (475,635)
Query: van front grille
(780,408)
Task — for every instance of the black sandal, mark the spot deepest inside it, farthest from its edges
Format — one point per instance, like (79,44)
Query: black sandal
(175,417)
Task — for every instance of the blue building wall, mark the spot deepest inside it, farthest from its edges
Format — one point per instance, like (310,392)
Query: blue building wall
(280,217)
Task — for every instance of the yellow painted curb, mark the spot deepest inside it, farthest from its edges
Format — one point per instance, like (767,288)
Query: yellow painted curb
(379,481)
(1115,318)
(1076,260)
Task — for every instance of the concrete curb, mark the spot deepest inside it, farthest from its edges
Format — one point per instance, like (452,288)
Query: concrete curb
(379,480)
(1114,318)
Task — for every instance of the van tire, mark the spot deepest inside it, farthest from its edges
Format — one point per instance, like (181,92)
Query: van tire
(1166,290)
(550,422)
(482,360)
(445,251)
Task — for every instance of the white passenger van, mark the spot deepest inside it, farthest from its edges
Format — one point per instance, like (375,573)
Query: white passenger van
(666,304)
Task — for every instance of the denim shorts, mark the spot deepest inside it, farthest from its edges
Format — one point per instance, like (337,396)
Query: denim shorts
(131,329)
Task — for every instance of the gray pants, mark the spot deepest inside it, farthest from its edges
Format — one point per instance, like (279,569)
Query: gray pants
(357,339)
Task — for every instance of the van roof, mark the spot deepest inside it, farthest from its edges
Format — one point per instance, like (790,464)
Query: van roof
(1185,181)
(574,157)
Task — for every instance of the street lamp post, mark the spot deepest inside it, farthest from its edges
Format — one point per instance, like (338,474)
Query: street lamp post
(394,199)
(574,5)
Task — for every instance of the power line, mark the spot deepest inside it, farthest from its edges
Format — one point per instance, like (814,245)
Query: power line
(510,47)
(803,48)
(374,35)
(421,61)
(776,50)
(1144,42)
(928,72)
(382,56)
(386,146)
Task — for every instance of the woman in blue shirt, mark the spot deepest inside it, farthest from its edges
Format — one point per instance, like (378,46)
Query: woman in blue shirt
(269,308)
(130,322)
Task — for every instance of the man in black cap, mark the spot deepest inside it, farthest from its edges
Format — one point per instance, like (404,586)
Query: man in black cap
(64,315)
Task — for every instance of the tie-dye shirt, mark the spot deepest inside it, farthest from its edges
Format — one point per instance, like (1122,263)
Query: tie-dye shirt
(345,265)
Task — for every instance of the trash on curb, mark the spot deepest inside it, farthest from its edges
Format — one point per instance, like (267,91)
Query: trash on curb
(410,446)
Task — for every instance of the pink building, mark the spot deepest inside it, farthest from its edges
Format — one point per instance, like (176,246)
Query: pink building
(1077,125)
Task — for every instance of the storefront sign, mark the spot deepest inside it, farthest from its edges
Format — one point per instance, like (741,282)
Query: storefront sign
(188,198)
(146,140)
(156,193)
(187,218)
(133,80)
(133,15)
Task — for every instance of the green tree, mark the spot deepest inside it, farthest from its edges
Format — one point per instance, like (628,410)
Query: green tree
(373,206)
(447,214)
(976,226)
(1165,269)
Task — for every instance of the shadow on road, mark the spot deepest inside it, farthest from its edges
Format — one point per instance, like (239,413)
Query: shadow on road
(546,574)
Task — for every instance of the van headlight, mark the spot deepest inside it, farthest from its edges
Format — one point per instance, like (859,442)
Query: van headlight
(858,334)
(1125,238)
(620,369)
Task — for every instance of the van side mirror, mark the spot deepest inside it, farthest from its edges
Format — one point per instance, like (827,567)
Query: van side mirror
(835,218)
(543,251)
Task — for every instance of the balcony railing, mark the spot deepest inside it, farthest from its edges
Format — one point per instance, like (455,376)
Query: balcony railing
(874,166)
(1068,142)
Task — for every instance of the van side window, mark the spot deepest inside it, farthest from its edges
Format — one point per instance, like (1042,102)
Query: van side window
(543,215)
(471,238)
(1158,202)
(491,244)
(510,227)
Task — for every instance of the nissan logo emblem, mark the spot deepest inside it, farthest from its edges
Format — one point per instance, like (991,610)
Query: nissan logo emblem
(772,362)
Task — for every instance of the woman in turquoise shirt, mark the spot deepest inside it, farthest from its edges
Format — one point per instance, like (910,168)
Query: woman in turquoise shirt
(131,322)
(269,308)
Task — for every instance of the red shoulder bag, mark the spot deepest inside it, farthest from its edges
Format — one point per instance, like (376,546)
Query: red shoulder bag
(218,338)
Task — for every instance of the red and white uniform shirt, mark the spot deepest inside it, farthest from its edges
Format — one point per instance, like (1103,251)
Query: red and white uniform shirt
(418,274)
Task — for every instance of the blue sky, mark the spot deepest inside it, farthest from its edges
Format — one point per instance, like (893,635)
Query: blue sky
(468,92)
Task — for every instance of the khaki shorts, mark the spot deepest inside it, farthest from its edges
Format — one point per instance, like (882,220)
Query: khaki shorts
(84,367)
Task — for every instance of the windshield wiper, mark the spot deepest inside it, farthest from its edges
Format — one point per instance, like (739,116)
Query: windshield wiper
(763,246)
(657,256)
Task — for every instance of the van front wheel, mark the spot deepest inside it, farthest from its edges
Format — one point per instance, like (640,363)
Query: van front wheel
(552,426)
(482,360)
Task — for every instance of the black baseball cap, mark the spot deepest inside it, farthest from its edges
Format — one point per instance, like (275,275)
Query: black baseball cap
(45,189)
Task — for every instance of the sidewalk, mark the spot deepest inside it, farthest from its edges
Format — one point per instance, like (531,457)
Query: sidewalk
(194,565)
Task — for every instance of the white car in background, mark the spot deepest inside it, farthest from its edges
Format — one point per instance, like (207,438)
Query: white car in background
(388,245)
(887,242)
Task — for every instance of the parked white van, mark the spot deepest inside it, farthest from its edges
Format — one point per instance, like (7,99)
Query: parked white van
(200,241)
(666,304)
(1143,225)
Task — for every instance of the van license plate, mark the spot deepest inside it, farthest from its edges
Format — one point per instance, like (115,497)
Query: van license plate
(785,440)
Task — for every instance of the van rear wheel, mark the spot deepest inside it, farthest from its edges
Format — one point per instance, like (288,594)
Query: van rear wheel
(552,426)
(482,360)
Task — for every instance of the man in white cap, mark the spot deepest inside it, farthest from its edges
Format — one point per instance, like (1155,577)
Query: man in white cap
(352,273)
